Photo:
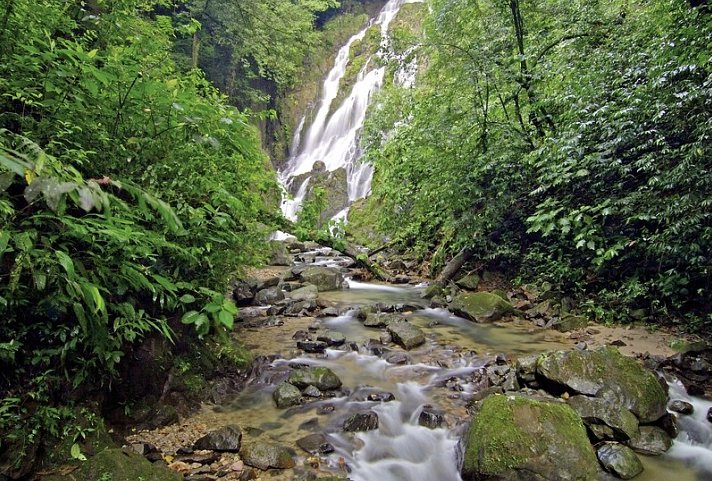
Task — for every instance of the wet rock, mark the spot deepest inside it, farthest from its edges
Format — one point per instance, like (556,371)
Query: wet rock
(619,460)
(681,407)
(469,282)
(398,358)
(431,418)
(320,377)
(312,391)
(363,421)
(601,432)
(300,335)
(143,448)
(406,334)
(306,293)
(329,312)
(668,423)
(314,347)
(381,397)
(606,374)
(269,296)
(401,279)
(379,320)
(709,415)
(438,302)
(227,439)
(263,456)
(598,411)
(480,306)
(330,337)
(325,409)
(287,395)
(650,440)
(324,278)
(315,444)
(544,440)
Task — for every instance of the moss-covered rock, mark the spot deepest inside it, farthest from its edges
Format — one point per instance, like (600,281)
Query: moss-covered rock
(480,306)
(514,438)
(322,378)
(469,282)
(597,411)
(324,278)
(118,465)
(263,455)
(608,375)
(619,460)
(287,395)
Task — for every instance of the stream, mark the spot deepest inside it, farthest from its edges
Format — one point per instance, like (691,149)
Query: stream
(440,377)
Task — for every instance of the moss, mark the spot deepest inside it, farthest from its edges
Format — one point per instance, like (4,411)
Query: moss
(515,433)
(117,465)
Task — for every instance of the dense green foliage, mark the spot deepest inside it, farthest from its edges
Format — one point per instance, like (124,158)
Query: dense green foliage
(130,191)
(567,142)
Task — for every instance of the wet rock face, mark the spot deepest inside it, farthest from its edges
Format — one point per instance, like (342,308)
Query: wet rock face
(681,407)
(322,378)
(228,439)
(608,375)
(363,421)
(480,306)
(597,411)
(514,438)
(431,418)
(619,460)
(650,440)
(315,444)
(324,278)
(264,456)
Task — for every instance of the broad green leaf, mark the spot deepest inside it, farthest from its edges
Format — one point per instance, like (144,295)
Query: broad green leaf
(226,319)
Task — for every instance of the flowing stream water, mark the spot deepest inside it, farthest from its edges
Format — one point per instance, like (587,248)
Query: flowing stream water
(334,137)
(439,376)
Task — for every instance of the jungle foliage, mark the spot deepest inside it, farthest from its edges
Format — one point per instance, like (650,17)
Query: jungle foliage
(563,141)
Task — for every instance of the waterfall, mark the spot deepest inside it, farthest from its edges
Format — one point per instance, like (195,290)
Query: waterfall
(334,139)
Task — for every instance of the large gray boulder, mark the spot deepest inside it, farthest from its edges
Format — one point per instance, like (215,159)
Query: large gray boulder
(480,306)
(606,374)
(306,293)
(406,334)
(322,378)
(515,438)
(650,440)
(269,296)
(324,278)
(278,255)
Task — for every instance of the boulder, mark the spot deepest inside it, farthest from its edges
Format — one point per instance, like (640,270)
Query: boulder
(570,323)
(306,293)
(242,293)
(120,465)
(597,411)
(314,347)
(263,455)
(526,368)
(619,460)
(406,334)
(480,306)
(516,438)
(269,296)
(608,375)
(278,255)
(682,407)
(431,418)
(380,319)
(650,440)
(287,395)
(363,421)
(469,282)
(315,444)
(321,377)
(227,439)
(324,278)
(330,337)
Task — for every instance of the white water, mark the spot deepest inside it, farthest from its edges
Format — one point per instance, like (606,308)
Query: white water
(334,139)
(694,444)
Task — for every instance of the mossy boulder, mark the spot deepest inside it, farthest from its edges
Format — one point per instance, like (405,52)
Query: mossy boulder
(469,282)
(597,411)
(119,465)
(263,455)
(619,460)
(480,306)
(322,378)
(606,374)
(324,278)
(516,438)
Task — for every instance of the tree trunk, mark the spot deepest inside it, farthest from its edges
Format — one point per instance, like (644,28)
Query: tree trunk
(452,267)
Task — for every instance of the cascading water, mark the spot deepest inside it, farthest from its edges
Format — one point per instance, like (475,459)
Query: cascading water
(333,139)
